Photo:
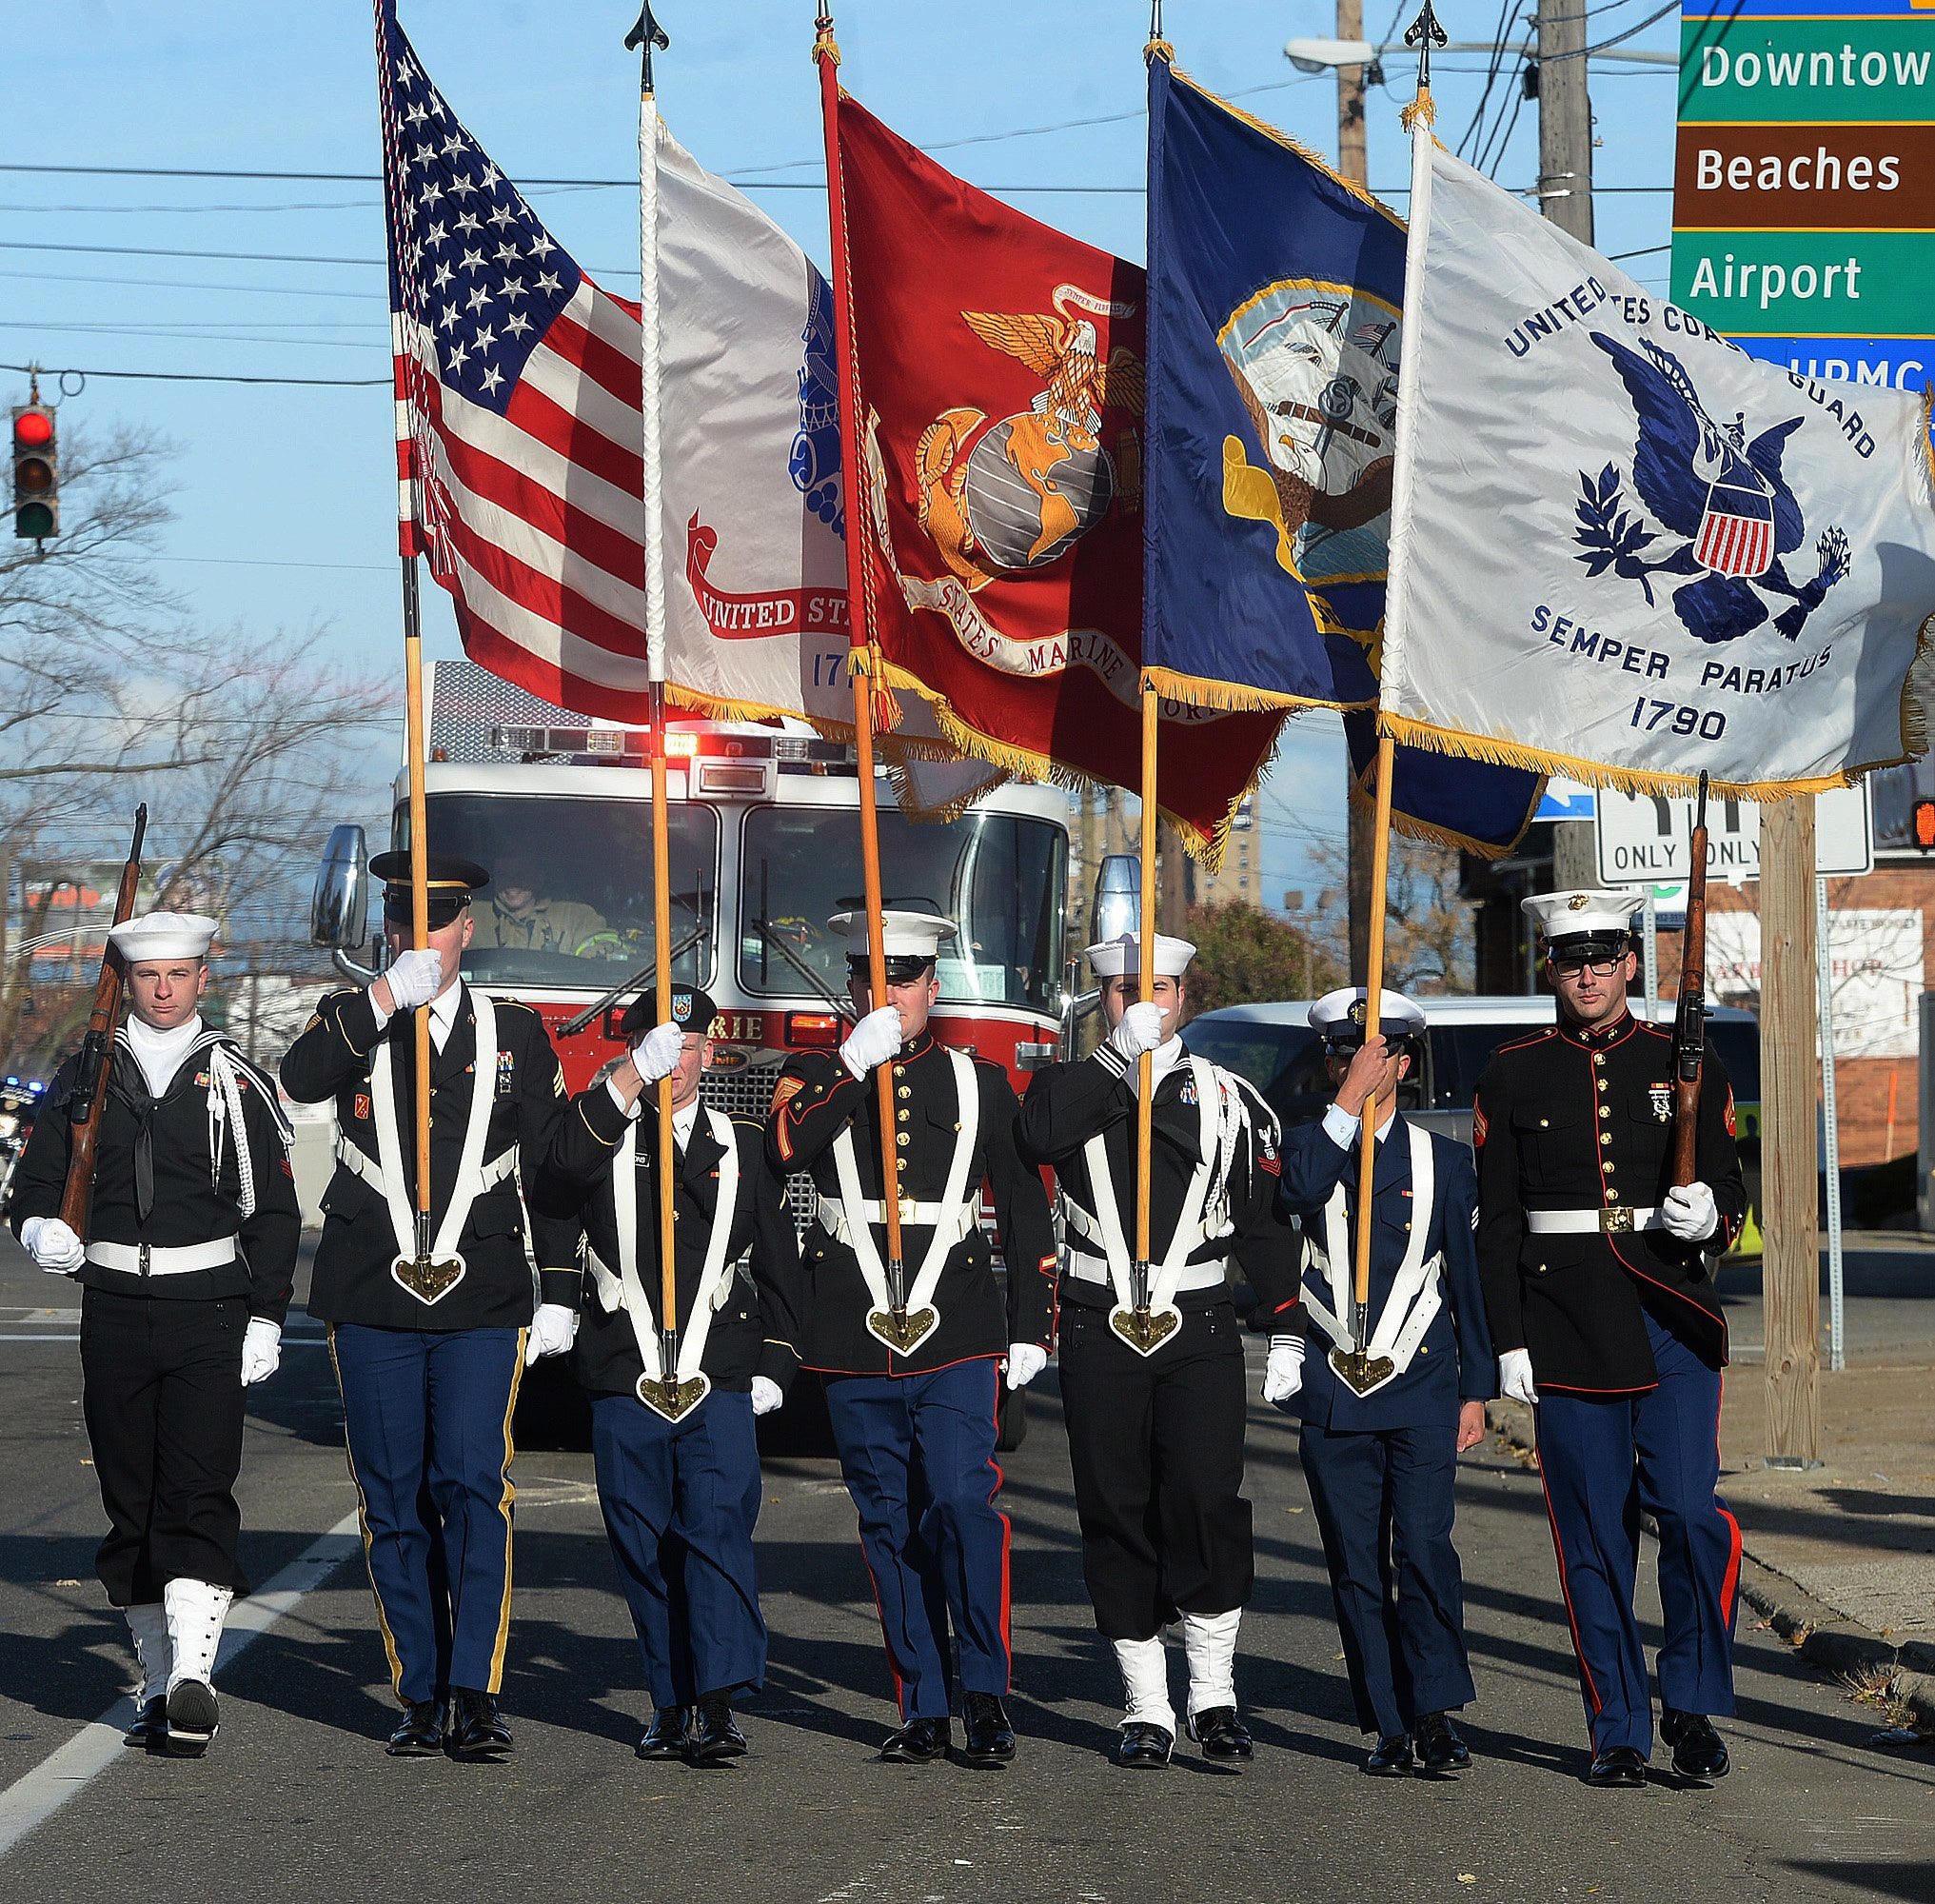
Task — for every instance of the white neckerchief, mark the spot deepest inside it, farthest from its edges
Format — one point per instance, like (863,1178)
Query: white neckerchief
(1163,1060)
(160,1053)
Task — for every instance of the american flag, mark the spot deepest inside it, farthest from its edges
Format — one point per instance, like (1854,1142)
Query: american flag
(516,412)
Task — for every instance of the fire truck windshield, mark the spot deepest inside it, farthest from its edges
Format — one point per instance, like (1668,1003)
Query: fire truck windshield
(569,901)
(1000,876)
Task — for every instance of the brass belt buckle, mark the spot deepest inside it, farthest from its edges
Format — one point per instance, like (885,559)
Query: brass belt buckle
(1615,1222)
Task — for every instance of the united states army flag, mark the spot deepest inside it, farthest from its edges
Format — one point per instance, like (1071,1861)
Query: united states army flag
(1623,549)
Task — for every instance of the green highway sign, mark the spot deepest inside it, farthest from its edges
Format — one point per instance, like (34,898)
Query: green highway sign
(1789,72)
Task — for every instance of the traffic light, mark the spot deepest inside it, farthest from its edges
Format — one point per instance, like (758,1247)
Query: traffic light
(36,472)
(1924,817)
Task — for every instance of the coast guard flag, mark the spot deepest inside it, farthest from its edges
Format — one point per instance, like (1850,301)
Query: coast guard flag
(1622,548)
(1276,327)
(995,391)
(518,433)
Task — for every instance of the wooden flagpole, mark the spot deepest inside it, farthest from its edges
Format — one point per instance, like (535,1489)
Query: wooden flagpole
(668,1395)
(1373,1017)
(860,654)
(1145,964)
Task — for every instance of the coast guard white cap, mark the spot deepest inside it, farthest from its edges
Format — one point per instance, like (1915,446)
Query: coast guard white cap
(1116,958)
(1586,913)
(1339,1017)
(164,935)
(914,937)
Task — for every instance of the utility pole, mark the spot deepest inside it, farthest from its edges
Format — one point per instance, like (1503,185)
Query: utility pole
(1564,118)
(1354,163)
(1790,1266)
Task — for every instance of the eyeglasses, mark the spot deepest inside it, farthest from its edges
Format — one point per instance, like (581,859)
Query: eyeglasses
(1600,967)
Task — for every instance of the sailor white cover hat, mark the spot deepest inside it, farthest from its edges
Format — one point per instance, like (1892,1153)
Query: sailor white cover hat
(1116,958)
(904,934)
(1584,912)
(164,935)
(1340,1015)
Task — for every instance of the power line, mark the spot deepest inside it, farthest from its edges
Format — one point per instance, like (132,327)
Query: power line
(204,377)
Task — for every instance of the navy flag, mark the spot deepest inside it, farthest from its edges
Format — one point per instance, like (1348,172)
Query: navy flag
(1275,324)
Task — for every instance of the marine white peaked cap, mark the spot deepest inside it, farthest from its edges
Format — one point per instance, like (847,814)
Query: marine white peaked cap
(903,935)
(1398,1016)
(1584,912)
(1115,958)
(164,935)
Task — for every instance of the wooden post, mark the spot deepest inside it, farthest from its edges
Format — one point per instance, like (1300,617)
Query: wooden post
(1790,1275)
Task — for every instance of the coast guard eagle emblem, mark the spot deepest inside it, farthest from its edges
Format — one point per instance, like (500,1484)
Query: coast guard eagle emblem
(1721,513)
(1011,496)
(814,462)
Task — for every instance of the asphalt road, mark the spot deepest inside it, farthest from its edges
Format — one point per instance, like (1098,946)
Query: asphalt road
(298,1800)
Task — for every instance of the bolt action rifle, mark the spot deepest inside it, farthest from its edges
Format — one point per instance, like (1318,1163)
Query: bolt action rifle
(90,1073)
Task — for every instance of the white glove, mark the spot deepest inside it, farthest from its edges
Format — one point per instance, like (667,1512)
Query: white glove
(656,1054)
(1514,1377)
(872,1042)
(554,1328)
(260,1350)
(414,978)
(1140,1031)
(53,1245)
(1283,1372)
(1689,1212)
(767,1395)
(1025,1361)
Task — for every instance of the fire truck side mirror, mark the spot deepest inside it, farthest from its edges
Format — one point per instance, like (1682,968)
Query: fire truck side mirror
(1118,906)
(338,907)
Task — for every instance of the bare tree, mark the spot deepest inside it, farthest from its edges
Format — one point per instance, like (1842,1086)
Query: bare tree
(242,744)
(1429,944)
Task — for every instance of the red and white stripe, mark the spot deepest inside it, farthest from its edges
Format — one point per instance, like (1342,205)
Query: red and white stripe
(1735,545)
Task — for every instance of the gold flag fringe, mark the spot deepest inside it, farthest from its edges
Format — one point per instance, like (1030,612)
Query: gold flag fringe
(1423,106)
(1237,697)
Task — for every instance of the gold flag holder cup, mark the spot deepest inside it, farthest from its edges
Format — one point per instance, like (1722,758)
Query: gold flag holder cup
(902,1330)
(1145,1330)
(671,1397)
(428,1277)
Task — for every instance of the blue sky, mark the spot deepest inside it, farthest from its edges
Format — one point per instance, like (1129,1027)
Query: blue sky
(286,497)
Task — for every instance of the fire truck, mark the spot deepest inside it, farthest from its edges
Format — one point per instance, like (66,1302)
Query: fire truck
(764,837)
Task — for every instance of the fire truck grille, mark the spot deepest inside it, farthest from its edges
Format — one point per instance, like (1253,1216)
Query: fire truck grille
(747,1092)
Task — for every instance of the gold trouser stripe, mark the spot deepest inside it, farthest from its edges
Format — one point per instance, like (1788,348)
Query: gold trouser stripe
(506,1499)
(396,1664)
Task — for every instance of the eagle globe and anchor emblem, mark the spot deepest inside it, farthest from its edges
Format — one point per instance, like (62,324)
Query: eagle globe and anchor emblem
(1011,496)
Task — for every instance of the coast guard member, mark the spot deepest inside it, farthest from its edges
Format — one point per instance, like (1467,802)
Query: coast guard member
(680,1498)
(916,1428)
(1599,1284)
(1156,1439)
(429,1365)
(185,1280)
(1382,1458)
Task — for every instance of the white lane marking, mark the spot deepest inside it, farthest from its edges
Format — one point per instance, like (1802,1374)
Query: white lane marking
(37,1794)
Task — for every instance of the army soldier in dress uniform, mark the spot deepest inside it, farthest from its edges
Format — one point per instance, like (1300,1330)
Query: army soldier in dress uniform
(1599,1284)
(1380,1444)
(429,1365)
(185,1280)
(1156,1435)
(680,1498)
(916,1428)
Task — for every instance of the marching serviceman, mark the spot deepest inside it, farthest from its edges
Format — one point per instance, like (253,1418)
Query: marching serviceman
(428,1352)
(1599,1284)
(1381,1437)
(1151,1379)
(184,1280)
(912,1371)
(681,1497)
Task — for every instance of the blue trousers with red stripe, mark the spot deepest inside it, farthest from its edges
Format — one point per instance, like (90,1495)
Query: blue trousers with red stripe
(918,1452)
(1605,1461)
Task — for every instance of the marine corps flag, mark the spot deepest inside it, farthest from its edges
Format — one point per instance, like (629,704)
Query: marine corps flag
(1622,548)
(994,393)
(1276,331)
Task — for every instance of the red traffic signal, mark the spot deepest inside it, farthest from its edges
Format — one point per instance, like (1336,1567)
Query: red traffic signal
(1923,818)
(36,472)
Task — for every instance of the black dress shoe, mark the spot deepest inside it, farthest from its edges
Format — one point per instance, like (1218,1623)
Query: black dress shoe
(149,1730)
(1699,1752)
(1221,1734)
(476,1731)
(715,1735)
(1143,1747)
(1619,1766)
(988,1740)
(420,1733)
(1390,1757)
(193,1718)
(1440,1749)
(919,1742)
(665,1737)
